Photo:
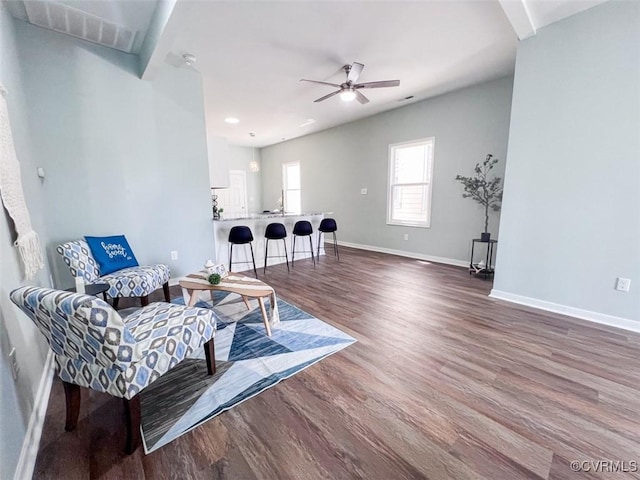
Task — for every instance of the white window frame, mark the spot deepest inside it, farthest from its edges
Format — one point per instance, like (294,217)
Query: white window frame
(285,188)
(429,183)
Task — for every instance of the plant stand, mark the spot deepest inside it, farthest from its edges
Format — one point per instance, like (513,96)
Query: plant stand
(477,268)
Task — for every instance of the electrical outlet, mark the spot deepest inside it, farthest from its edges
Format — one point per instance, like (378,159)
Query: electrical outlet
(406,236)
(363,191)
(174,254)
(623,284)
(13,363)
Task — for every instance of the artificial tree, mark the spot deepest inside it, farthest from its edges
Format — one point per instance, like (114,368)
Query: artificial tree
(487,192)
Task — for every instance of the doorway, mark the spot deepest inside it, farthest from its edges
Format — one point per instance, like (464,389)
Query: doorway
(234,198)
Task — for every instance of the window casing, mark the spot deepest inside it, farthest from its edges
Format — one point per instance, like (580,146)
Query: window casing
(410,183)
(291,187)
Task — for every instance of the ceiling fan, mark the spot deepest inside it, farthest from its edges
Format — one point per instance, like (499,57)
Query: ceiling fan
(350,90)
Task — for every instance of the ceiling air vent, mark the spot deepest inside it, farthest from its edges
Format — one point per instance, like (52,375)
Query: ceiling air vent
(62,18)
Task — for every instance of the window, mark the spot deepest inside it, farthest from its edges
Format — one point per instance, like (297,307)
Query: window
(410,176)
(291,183)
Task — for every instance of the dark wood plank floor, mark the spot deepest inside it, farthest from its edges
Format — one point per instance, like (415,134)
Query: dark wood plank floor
(443,383)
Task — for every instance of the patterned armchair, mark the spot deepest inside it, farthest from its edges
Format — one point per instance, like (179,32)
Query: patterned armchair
(95,348)
(128,282)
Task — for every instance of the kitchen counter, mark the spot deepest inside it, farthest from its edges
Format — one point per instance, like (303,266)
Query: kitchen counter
(258,222)
(258,216)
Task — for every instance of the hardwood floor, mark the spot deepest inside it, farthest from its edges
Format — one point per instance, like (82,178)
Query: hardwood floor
(443,383)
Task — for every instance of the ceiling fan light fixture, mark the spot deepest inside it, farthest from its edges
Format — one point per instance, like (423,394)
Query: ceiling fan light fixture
(348,96)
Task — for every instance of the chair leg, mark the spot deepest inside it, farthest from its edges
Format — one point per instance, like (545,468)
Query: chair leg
(144,300)
(167,294)
(312,255)
(319,236)
(72,395)
(286,257)
(253,259)
(293,251)
(132,412)
(266,250)
(335,246)
(230,255)
(210,355)
(116,300)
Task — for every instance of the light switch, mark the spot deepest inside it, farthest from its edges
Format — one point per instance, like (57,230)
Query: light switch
(363,191)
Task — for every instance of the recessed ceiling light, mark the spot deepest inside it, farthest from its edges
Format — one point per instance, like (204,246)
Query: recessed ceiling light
(231,120)
(309,121)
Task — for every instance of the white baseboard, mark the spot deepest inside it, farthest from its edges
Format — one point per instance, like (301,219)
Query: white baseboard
(31,443)
(595,317)
(402,253)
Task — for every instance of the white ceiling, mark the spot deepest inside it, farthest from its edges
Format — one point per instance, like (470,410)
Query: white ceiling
(252,54)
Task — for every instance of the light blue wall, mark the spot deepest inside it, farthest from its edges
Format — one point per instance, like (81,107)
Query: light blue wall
(122,155)
(571,218)
(17,397)
(337,163)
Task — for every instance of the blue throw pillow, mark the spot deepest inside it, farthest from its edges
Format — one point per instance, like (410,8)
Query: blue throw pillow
(111,253)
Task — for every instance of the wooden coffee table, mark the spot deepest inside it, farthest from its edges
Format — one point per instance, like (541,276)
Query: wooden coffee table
(246,287)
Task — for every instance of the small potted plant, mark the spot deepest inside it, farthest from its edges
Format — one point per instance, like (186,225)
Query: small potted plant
(484,190)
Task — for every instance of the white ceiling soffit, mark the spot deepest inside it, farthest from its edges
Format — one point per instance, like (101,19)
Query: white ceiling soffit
(121,25)
(518,14)
(527,16)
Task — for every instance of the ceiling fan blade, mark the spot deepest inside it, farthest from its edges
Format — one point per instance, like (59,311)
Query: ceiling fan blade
(361,98)
(354,73)
(327,96)
(321,83)
(384,83)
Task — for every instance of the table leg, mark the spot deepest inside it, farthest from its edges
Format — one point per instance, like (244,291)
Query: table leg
(265,318)
(193,297)
(246,302)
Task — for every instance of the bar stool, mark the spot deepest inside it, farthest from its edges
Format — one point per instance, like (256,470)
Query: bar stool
(241,235)
(302,228)
(275,231)
(328,225)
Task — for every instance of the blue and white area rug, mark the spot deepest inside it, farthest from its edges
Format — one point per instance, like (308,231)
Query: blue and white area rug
(247,362)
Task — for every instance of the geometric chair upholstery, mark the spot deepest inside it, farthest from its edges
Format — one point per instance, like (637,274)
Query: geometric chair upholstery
(128,282)
(94,347)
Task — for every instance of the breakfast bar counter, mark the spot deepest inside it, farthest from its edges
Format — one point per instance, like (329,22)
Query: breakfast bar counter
(258,222)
